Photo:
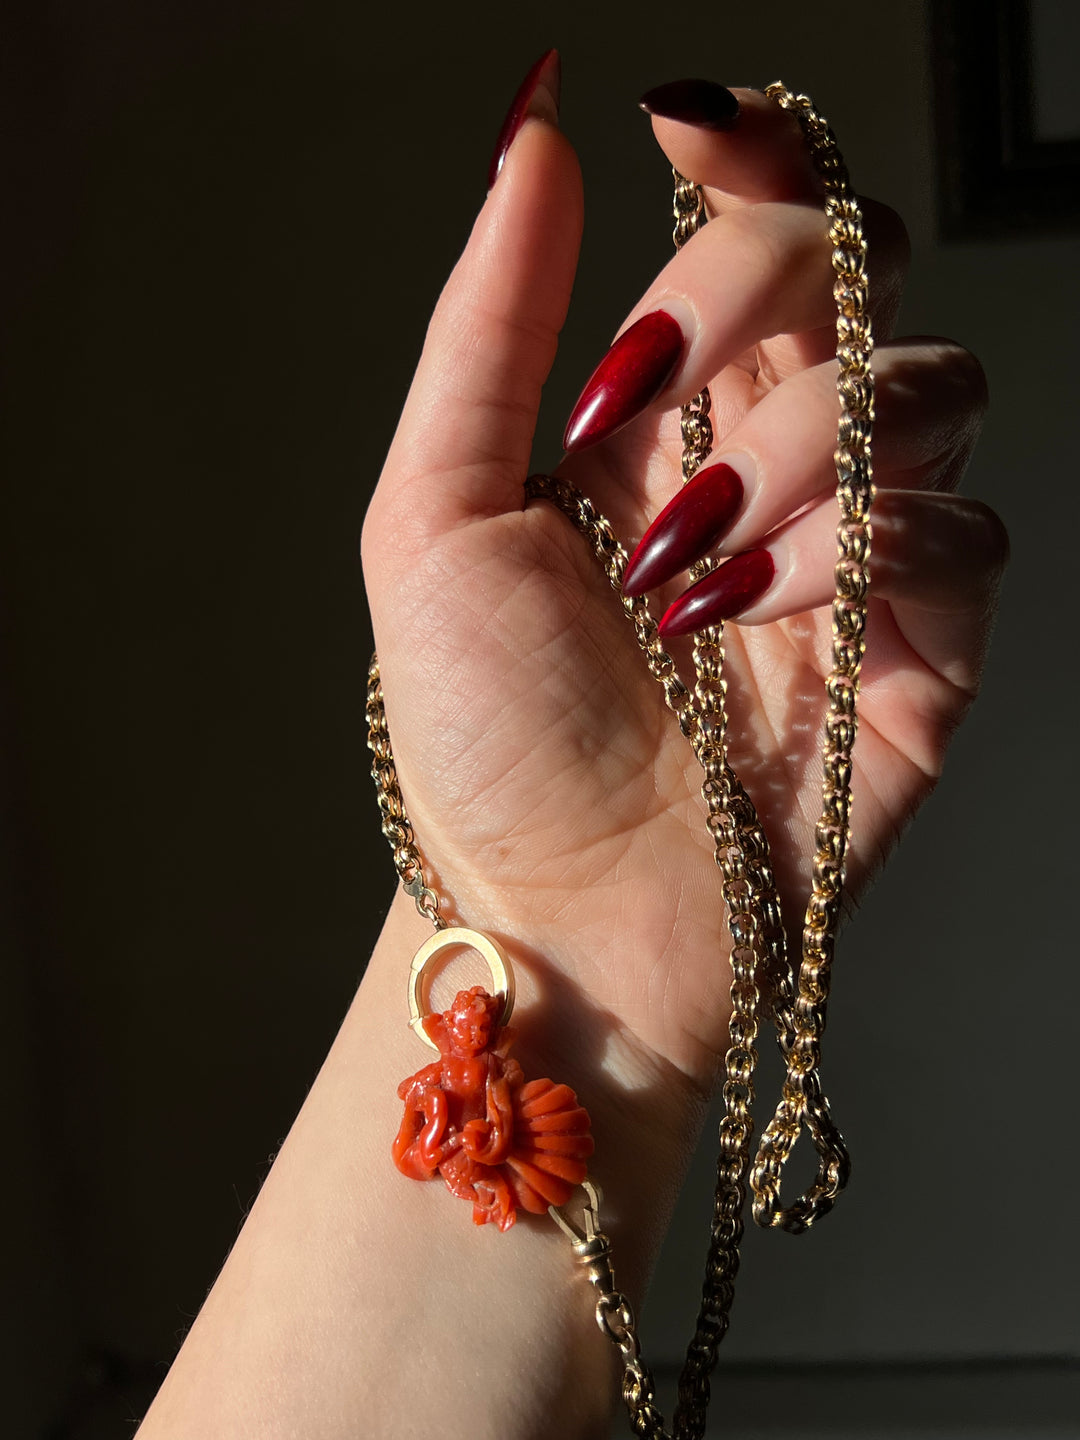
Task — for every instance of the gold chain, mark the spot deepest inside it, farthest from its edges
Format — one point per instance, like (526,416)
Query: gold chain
(396,825)
(762,977)
(802,1022)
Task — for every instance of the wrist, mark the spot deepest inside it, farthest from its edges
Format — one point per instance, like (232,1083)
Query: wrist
(646,1114)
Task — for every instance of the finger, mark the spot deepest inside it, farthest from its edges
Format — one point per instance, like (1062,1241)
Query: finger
(687,327)
(888,260)
(462,445)
(762,155)
(759,155)
(930,402)
(937,559)
(930,399)
(777,279)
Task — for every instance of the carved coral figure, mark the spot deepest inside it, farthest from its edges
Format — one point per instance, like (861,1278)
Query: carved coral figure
(471,1118)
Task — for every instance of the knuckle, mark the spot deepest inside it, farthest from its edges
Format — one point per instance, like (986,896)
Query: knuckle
(955,370)
(969,375)
(990,535)
(887,231)
(930,370)
(755,231)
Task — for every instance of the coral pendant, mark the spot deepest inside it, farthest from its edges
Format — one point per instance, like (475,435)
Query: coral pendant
(471,1118)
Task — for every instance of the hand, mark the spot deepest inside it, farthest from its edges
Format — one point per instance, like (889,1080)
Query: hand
(552,795)
(556,803)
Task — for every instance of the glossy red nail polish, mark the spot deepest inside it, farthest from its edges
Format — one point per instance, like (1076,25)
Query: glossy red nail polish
(693,102)
(537,95)
(686,529)
(724,592)
(629,377)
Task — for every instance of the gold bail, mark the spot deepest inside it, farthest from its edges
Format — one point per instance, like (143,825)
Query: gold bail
(494,956)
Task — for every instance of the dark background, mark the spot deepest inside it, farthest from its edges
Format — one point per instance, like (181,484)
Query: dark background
(226,226)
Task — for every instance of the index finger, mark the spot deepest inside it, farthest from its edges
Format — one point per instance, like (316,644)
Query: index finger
(756,154)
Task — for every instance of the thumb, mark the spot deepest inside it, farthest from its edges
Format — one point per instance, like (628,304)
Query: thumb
(461,450)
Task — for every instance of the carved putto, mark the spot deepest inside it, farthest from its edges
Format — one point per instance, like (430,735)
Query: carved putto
(497,1140)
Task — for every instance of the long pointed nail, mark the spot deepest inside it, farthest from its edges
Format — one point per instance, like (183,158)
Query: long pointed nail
(720,595)
(629,377)
(686,529)
(693,102)
(538,94)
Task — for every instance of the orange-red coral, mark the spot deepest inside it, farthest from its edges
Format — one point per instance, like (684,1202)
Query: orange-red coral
(470,1117)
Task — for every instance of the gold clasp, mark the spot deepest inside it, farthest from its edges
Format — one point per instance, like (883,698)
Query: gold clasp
(591,1216)
(592,1250)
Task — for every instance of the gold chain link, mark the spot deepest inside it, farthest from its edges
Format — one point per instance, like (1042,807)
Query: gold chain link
(396,825)
(762,977)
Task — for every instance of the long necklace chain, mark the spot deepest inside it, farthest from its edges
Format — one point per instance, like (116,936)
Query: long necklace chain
(763,979)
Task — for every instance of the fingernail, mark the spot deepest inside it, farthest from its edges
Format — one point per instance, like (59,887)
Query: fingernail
(686,529)
(630,376)
(693,102)
(720,595)
(537,95)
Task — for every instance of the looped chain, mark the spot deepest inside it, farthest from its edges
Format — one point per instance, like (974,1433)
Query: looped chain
(803,1020)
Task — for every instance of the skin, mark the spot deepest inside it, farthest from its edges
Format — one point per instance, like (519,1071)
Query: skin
(555,801)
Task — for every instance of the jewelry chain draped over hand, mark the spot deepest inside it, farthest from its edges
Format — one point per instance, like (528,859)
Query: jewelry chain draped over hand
(764,982)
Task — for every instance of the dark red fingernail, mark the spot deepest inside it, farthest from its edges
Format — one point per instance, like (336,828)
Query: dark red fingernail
(630,376)
(686,529)
(693,102)
(724,592)
(537,95)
